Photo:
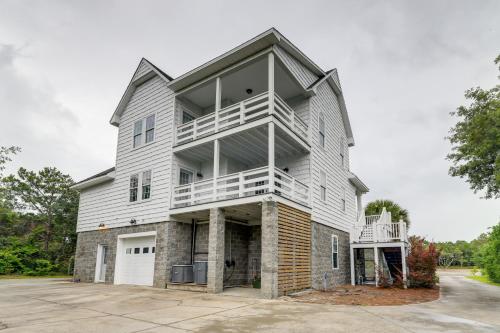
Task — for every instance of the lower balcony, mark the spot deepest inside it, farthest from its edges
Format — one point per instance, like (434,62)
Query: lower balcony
(242,184)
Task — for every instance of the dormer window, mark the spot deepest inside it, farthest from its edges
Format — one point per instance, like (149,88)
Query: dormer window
(144,131)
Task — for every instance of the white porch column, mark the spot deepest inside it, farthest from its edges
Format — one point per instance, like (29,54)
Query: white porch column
(375,256)
(270,81)
(216,165)
(353,275)
(359,203)
(403,263)
(270,157)
(218,96)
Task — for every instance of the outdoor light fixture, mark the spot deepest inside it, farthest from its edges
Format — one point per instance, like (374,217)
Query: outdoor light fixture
(133,221)
(249,91)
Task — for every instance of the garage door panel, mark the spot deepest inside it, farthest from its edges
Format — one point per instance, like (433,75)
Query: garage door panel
(137,261)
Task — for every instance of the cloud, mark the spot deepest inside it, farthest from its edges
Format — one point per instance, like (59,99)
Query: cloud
(31,117)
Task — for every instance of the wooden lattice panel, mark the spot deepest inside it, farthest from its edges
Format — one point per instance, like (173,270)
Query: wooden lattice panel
(294,249)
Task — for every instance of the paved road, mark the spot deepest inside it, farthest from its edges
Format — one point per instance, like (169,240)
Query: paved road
(59,306)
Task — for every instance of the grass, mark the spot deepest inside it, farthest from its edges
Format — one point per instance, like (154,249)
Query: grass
(17,277)
(483,279)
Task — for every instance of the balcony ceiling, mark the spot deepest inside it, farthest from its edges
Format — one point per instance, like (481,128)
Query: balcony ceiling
(248,147)
(247,213)
(235,84)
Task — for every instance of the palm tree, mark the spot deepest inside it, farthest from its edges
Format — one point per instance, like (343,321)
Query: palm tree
(397,212)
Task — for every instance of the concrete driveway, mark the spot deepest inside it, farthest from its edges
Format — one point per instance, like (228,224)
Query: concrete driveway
(59,306)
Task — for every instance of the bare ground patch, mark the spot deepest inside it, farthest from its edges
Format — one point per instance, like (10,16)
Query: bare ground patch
(367,295)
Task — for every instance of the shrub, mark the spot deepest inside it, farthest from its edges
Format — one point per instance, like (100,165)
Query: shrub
(491,259)
(9,263)
(39,267)
(422,263)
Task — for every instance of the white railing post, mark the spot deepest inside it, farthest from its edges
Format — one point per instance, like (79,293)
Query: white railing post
(402,230)
(195,125)
(242,113)
(270,157)
(192,193)
(374,227)
(216,167)
(241,188)
(270,81)
(218,95)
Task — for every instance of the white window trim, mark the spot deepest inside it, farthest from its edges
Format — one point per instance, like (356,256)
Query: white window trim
(321,116)
(343,202)
(321,186)
(139,187)
(143,131)
(182,167)
(336,238)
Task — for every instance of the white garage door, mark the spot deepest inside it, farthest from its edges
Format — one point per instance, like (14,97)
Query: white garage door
(137,260)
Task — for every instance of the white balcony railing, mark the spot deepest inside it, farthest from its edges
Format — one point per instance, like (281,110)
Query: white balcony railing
(237,114)
(239,185)
(378,228)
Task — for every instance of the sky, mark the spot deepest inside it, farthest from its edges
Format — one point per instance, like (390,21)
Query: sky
(403,66)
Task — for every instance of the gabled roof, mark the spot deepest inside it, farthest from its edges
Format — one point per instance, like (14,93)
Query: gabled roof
(137,79)
(266,39)
(101,177)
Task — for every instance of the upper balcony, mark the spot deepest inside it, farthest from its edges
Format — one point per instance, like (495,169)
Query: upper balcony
(246,111)
(240,98)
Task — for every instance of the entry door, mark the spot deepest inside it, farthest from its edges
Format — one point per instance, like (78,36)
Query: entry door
(101,264)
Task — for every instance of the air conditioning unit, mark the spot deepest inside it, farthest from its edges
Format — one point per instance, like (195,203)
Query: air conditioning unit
(200,272)
(182,274)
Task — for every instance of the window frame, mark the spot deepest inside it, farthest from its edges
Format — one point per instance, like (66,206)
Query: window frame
(342,151)
(187,170)
(133,188)
(140,186)
(321,130)
(152,129)
(335,240)
(143,141)
(343,203)
(147,185)
(323,185)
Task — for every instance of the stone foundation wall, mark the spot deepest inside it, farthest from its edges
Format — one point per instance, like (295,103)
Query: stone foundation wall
(254,253)
(201,245)
(173,246)
(236,248)
(321,257)
(86,251)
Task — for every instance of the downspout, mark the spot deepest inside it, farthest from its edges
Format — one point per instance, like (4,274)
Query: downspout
(193,239)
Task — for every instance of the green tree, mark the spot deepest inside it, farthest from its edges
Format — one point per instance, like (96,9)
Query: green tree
(475,141)
(491,259)
(46,192)
(397,212)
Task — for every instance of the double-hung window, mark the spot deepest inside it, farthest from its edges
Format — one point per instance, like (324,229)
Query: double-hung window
(321,126)
(134,187)
(144,131)
(146,185)
(150,128)
(142,192)
(342,151)
(322,185)
(342,199)
(138,133)
(335,252)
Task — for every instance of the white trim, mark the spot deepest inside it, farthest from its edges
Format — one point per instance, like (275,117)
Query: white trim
(336,238)
(94,181)
(240,201)
(98,264)
(137,234)
(120,248)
